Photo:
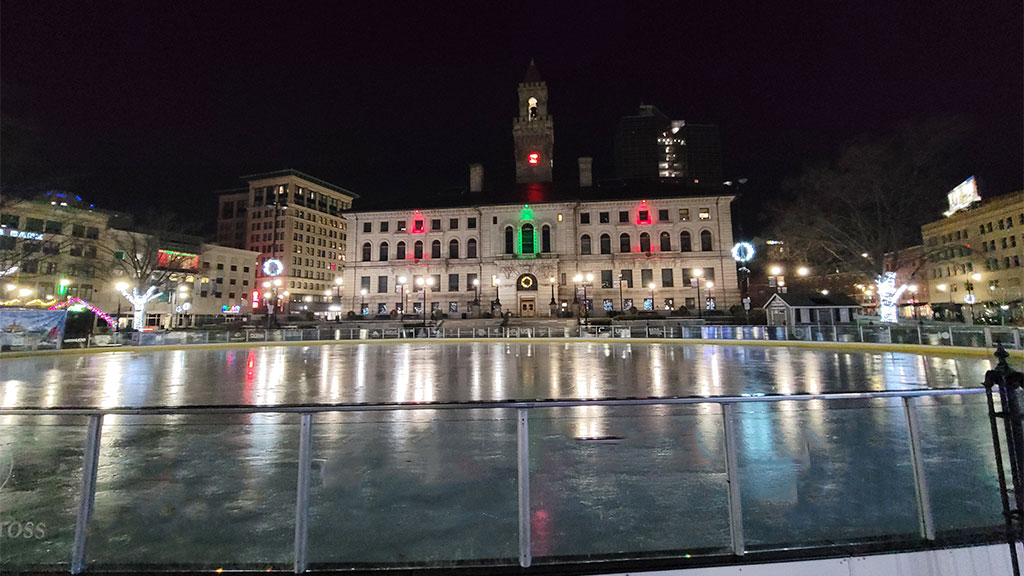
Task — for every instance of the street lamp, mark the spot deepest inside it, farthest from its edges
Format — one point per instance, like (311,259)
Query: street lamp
(424,284)
(576,281)
(651,286)
(802,271)
(970,298)
(362,301)
(711,299)
(780,280)
(622,303)
(401,286)
(551,281)
(497,291)
(697,273)
(476,288)
(586,306)
(913,291)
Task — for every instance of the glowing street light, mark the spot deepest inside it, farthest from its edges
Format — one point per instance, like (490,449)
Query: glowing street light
(651,286)
(551,281)
(402,281)
(802,271)
(362,301)
(697,273)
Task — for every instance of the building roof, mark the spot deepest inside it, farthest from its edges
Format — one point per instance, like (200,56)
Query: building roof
(814,300)
(304,176)
(543,192)
(532,74)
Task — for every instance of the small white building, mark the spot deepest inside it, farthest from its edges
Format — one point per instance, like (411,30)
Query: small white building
(793,308)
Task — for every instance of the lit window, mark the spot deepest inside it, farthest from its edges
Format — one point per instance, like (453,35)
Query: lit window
(704,214)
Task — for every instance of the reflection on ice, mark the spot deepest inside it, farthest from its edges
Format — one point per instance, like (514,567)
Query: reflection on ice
(430,372)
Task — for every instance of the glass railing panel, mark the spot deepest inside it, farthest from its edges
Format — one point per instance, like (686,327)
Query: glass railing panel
(40,480)
(206,492)
(825,473)
(631,480)
(414,488)
(905,335)
(973,337)
(959,462)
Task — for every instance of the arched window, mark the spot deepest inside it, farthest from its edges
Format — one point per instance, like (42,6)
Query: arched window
(624,243)
(585,244)
(606,244)
(666,242)
(383,251)
(510,242)
(705,240)
(684,242)
(400,251)
(367,249)
(533,108)
(471,248)
(528,239)
(417,250)
(435,249)
(453,249)
(545,239)
(645,242)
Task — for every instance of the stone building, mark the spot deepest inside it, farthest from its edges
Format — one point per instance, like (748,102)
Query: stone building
(975,253)
(296,219)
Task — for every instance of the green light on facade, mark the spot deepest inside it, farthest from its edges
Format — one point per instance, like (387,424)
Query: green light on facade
(526,214)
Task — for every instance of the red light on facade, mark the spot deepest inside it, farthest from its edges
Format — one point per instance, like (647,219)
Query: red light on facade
(255,298)
(643,214)
(533,158)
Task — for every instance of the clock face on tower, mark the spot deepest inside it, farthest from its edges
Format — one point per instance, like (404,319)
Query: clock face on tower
(533,158)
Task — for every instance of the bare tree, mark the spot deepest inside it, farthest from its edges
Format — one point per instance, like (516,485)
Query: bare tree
(143,264)
(855,214)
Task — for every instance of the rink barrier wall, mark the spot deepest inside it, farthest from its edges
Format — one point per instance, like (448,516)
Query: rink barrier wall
(925,538)
(920,349)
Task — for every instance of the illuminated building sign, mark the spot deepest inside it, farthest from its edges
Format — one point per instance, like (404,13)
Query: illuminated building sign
(19,234)
(963,196)
(231,309)
(255,298)
(177,260)
(533,158)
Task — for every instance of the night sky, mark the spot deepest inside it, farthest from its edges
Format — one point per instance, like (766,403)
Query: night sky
(158,104)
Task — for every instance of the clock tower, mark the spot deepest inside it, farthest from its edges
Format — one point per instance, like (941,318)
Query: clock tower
(533,130)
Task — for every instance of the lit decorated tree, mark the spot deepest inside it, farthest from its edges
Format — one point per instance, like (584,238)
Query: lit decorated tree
(142,264)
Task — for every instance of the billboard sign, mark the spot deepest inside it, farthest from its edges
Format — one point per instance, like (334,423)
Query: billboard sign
(963,196)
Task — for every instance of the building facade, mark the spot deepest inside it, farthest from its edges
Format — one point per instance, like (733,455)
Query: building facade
(533,130)
(649,145)
(976,254)
(296,219)
(527,259)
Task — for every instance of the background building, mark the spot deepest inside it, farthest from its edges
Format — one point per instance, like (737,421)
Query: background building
(976,252)
(649,145)
(297,219)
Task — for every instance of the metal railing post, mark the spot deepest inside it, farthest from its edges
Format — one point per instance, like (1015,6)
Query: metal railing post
(924,504)
(302,493)
(525,555)
(860,328)
(732,473)
(920,339)
(835,333)
(87,496)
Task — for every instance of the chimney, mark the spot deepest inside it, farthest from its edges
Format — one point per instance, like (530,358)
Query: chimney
(586,171)
(476,177)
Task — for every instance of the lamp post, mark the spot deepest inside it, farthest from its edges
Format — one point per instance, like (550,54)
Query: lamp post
(121,287)
(913,292)
(551,281)
(362,302)
(970,299)
(401,286)
(697,273)
(576,281)
(651,286)
(780,280)
(711,299)
(622,303)
(586,307)
(338,282)
(497,291)
(424,285)
(476,289)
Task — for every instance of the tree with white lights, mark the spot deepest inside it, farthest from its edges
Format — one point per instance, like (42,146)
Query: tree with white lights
(140,263)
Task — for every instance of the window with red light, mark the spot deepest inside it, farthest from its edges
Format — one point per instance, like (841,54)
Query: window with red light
(417,226)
